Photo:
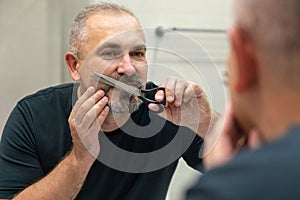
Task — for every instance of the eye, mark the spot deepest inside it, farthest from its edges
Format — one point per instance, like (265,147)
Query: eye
(138,54)
(110,54)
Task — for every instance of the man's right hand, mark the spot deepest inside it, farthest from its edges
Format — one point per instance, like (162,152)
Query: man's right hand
(85,122)
(225,139)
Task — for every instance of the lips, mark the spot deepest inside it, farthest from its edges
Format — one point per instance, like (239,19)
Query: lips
(132,80)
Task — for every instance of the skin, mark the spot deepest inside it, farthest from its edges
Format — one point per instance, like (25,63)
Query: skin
(256,90)
(239,125)
(91,113)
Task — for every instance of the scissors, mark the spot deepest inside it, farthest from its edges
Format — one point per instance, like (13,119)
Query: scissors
(146,95)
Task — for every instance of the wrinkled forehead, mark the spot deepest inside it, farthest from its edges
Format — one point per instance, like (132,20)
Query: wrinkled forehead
(122,30)
(126,40)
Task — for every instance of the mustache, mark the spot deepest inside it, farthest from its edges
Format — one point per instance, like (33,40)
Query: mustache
(125,78)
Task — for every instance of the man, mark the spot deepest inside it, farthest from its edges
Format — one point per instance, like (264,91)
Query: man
(263,161)
(53,143)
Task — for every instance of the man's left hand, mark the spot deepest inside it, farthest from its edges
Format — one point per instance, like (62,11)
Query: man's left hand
(187,105)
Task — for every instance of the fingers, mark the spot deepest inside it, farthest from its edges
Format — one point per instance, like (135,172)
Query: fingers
(178,91)
(87,109)
(218,147)
(85,104)
(90,91)
(237,135)
(95,125)
(153,107)
(92,113)
(74,119)
(85,122)
(157,108)
(170,86)
(193,90)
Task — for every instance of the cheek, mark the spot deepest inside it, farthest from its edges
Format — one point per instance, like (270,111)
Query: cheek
(86,79)
(142,71)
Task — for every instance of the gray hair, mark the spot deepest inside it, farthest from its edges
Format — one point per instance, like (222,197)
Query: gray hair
(78,31)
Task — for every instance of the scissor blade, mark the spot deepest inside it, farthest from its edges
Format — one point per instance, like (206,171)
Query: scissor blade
(117,84)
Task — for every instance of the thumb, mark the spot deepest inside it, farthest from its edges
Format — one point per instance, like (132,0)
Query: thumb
(157,108)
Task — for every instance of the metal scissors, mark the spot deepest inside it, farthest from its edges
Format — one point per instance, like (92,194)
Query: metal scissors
(146,95)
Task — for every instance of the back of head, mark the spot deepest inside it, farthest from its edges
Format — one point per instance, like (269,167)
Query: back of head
(274,28)
(78,32)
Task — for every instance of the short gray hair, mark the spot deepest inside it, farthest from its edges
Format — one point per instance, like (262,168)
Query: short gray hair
(78,31)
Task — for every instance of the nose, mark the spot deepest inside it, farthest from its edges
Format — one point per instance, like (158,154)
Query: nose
(125,65)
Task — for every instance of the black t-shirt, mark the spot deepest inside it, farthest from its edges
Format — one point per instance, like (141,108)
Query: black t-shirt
(268,173)
(37,137)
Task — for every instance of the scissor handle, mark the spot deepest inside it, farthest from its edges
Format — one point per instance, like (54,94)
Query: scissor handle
(159,104)
(148,97)
(151,93)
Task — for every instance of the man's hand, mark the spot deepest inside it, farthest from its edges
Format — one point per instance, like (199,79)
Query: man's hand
(85,122)
(187,105)
(67,178)
(226,138)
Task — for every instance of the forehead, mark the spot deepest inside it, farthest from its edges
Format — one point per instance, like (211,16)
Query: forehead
(113,27)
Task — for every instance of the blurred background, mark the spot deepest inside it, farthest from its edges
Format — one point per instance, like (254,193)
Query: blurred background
(187,38)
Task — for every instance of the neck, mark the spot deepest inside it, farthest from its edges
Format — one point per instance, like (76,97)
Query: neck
(280,111)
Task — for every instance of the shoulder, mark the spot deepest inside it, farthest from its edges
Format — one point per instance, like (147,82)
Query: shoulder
(270,172)
(47,103)
(54,90)
(61,94)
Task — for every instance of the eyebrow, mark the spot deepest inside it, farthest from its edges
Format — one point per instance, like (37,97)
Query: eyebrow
(107,45)
(118,46)
(140,46)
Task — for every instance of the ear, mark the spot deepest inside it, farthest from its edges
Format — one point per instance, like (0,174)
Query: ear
(245,60)
(73,65)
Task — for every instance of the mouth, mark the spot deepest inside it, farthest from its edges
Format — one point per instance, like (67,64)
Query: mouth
(132,80)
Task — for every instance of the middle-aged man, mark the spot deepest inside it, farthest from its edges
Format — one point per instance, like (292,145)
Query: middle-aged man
(54,144)
(263,78)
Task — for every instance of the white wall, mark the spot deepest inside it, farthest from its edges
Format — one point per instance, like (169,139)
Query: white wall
(34,38)
(32,44)
(190,13)
(25,66)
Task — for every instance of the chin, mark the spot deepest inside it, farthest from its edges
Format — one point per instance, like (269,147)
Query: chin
(124,104)
(118,108)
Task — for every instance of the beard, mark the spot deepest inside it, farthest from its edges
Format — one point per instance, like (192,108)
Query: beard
(122,102)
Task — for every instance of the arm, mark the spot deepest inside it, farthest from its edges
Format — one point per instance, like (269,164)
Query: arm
(67,178)
(64,182)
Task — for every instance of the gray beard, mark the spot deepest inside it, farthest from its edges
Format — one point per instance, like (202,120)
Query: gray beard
(123,104)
